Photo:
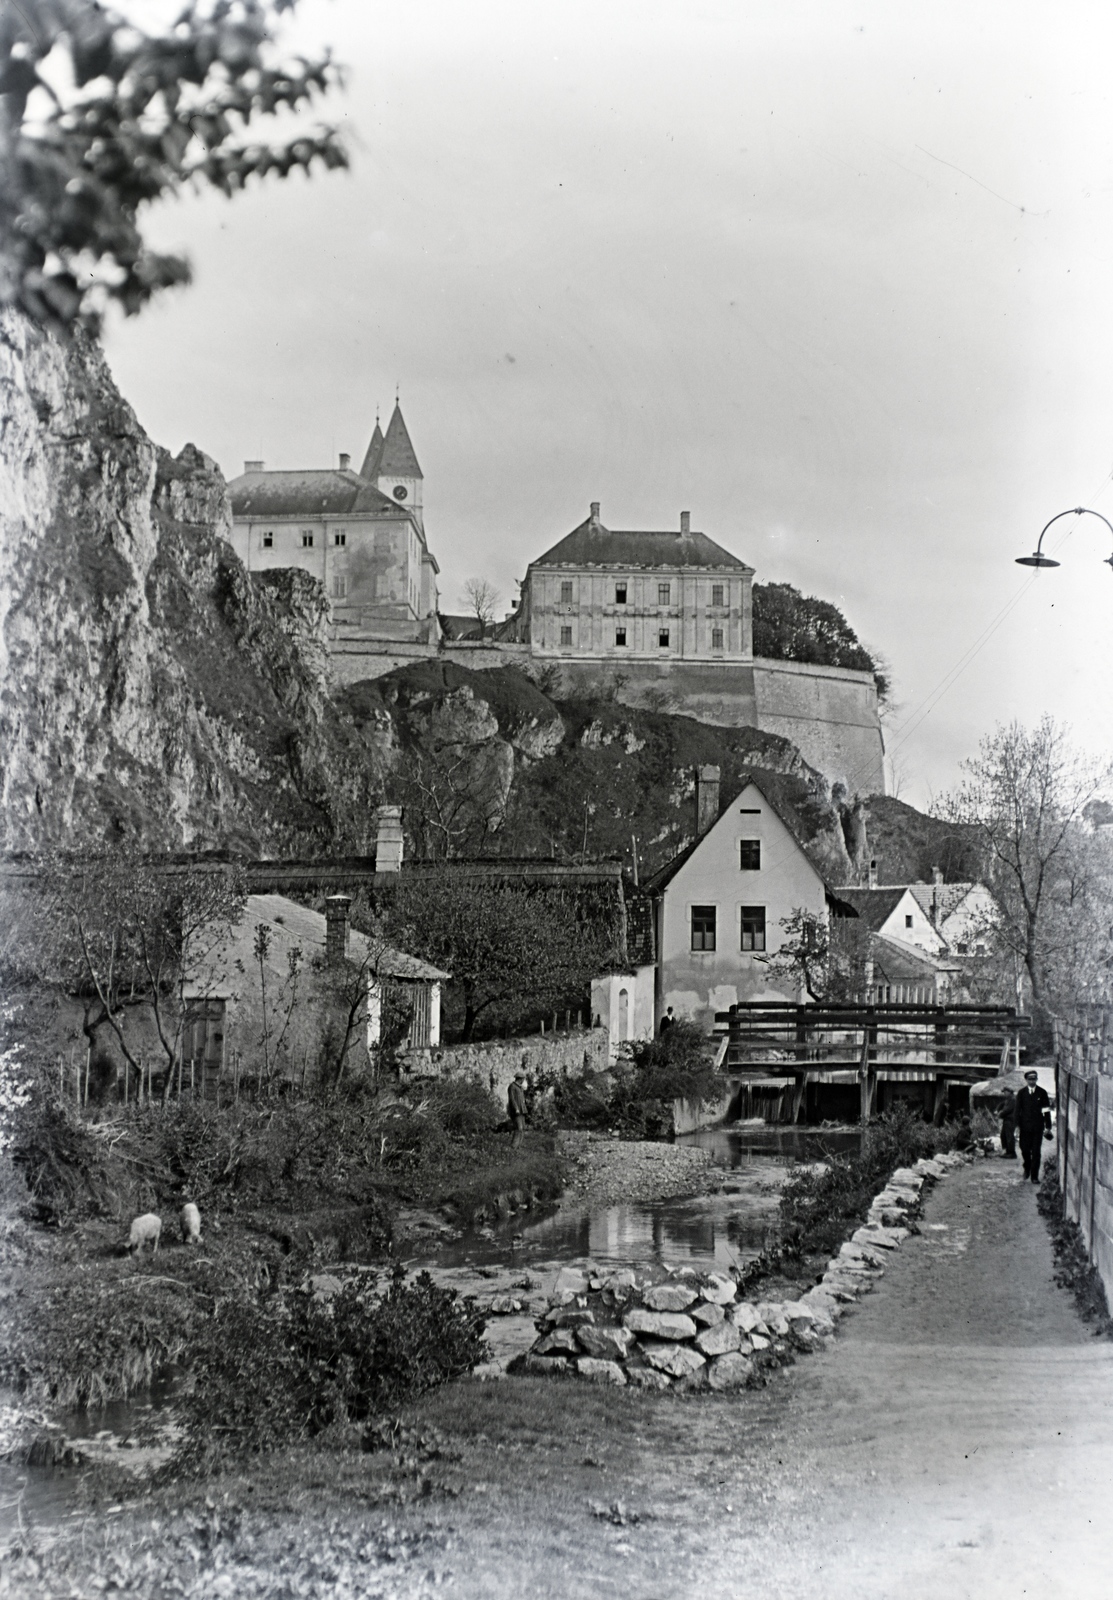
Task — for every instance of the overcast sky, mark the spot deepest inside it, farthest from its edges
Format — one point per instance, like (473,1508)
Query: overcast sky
(834,277)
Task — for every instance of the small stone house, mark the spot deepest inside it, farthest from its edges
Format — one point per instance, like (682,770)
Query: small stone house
(291,993)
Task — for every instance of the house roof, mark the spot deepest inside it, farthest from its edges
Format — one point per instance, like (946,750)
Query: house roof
(898,962)
(661,879)
(948,897)
(308,493)
(456,627)
(370,467)
(593,545)
(398,458)
(293,927)
(874,906)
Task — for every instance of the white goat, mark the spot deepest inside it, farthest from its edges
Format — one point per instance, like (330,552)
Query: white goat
(190,1223)
(145,1230)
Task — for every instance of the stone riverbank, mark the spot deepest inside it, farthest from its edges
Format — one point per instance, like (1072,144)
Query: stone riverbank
(690,1330)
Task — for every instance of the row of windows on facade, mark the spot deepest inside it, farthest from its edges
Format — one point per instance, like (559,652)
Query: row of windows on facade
(751,927)
(339,538)
(664,593)
(663,637)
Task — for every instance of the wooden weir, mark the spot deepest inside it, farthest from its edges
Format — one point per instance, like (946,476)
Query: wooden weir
(775,1043)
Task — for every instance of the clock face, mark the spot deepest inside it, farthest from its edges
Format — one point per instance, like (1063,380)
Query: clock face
(400,491)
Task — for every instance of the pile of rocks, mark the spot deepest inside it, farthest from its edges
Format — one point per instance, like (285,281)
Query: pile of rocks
(691,1331)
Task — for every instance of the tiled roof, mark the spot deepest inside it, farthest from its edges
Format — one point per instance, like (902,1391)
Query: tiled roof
(948,896)
(293,926)
(874,906)
(456,627)
(593,545)
(308,493)
(898,962)
(398,458)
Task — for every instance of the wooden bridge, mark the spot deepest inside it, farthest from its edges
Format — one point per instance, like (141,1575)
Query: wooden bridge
(781,1045)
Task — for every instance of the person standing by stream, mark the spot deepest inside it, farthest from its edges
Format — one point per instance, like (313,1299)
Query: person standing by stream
(1033,1122)
(516,1108)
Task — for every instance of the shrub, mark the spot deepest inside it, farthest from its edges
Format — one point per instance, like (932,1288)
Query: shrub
(636,1096)
(275,1370)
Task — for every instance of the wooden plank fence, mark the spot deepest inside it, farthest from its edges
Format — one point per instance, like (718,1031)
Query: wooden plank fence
(1084,1090)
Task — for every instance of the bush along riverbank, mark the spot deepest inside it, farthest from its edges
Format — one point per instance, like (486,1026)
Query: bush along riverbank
(701,1331)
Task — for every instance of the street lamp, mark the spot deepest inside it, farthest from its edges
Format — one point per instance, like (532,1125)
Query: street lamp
(1038,559)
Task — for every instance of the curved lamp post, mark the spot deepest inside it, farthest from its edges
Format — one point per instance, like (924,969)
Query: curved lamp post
(1038,559)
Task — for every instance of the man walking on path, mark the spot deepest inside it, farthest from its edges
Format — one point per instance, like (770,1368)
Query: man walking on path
(1033,1122)
(516,1107)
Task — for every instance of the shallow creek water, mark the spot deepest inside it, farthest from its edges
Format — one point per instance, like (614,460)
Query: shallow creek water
(519,1259)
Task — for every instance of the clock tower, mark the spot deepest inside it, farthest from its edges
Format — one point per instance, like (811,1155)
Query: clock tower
(391,465)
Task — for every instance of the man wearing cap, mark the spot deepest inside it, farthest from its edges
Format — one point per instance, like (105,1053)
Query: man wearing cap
(516,1108)
(1033,1123)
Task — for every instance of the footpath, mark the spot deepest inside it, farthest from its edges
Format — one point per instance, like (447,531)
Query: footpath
(957,1439)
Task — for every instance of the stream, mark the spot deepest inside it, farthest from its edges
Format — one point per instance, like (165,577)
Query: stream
(721,1231)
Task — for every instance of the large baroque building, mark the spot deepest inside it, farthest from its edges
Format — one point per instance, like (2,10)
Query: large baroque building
(647,596)
(361,533)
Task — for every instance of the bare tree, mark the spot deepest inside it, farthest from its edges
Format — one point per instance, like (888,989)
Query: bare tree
(1025,799)
(483,601)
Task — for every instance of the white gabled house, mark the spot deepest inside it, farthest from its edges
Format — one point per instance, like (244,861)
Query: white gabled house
(719,905)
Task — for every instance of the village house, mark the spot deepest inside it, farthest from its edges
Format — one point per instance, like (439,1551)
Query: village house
(295,994)
(921,934)
(362,534)
(718,907)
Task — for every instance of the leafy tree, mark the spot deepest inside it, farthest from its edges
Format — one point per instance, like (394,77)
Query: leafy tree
(125,934)
(517,949)
(101,115)
(1025,799)
(825,955)
(790,626)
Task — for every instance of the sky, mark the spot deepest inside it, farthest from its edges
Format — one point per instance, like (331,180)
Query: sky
(834,277)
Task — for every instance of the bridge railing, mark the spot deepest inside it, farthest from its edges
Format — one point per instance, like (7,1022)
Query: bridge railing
(864,1044)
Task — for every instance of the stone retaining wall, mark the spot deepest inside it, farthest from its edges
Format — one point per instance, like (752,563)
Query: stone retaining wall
(494,1062)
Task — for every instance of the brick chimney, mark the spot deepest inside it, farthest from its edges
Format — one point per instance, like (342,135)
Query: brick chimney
(388,843)
(707,798)
(338,929)
(685,522)
(345,461)
(253,466)
(595,513)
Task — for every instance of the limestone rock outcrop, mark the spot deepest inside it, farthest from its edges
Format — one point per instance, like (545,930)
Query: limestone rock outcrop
(152,692)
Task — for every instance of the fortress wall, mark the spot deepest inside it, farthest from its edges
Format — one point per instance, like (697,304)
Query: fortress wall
(830,714)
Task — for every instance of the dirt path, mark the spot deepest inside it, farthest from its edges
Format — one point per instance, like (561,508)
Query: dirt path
(958,1439)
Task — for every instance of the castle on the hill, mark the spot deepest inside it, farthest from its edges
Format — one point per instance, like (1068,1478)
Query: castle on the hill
(660,618)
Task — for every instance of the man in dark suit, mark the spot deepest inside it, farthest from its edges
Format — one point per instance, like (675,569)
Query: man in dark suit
(1033,1123)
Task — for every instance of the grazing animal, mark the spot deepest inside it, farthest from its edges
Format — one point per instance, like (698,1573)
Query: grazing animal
(190,1223)
(145,1230)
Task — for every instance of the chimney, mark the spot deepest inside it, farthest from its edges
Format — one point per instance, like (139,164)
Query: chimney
(253,466)
(595,511)
(873,873)
(685,522)
(707,799)
(337,929)
(937,874)
(345,461)
(936,885)
(388,844)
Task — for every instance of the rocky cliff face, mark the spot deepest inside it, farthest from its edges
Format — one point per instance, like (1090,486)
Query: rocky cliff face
(151,692)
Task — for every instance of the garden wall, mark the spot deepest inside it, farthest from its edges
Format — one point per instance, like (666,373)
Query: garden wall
(494,1062)
(1084,1088)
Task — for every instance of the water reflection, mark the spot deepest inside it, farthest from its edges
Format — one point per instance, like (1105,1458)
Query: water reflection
(720,1230)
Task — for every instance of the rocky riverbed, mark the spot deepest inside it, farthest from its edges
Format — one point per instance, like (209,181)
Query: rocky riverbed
(602,1171)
